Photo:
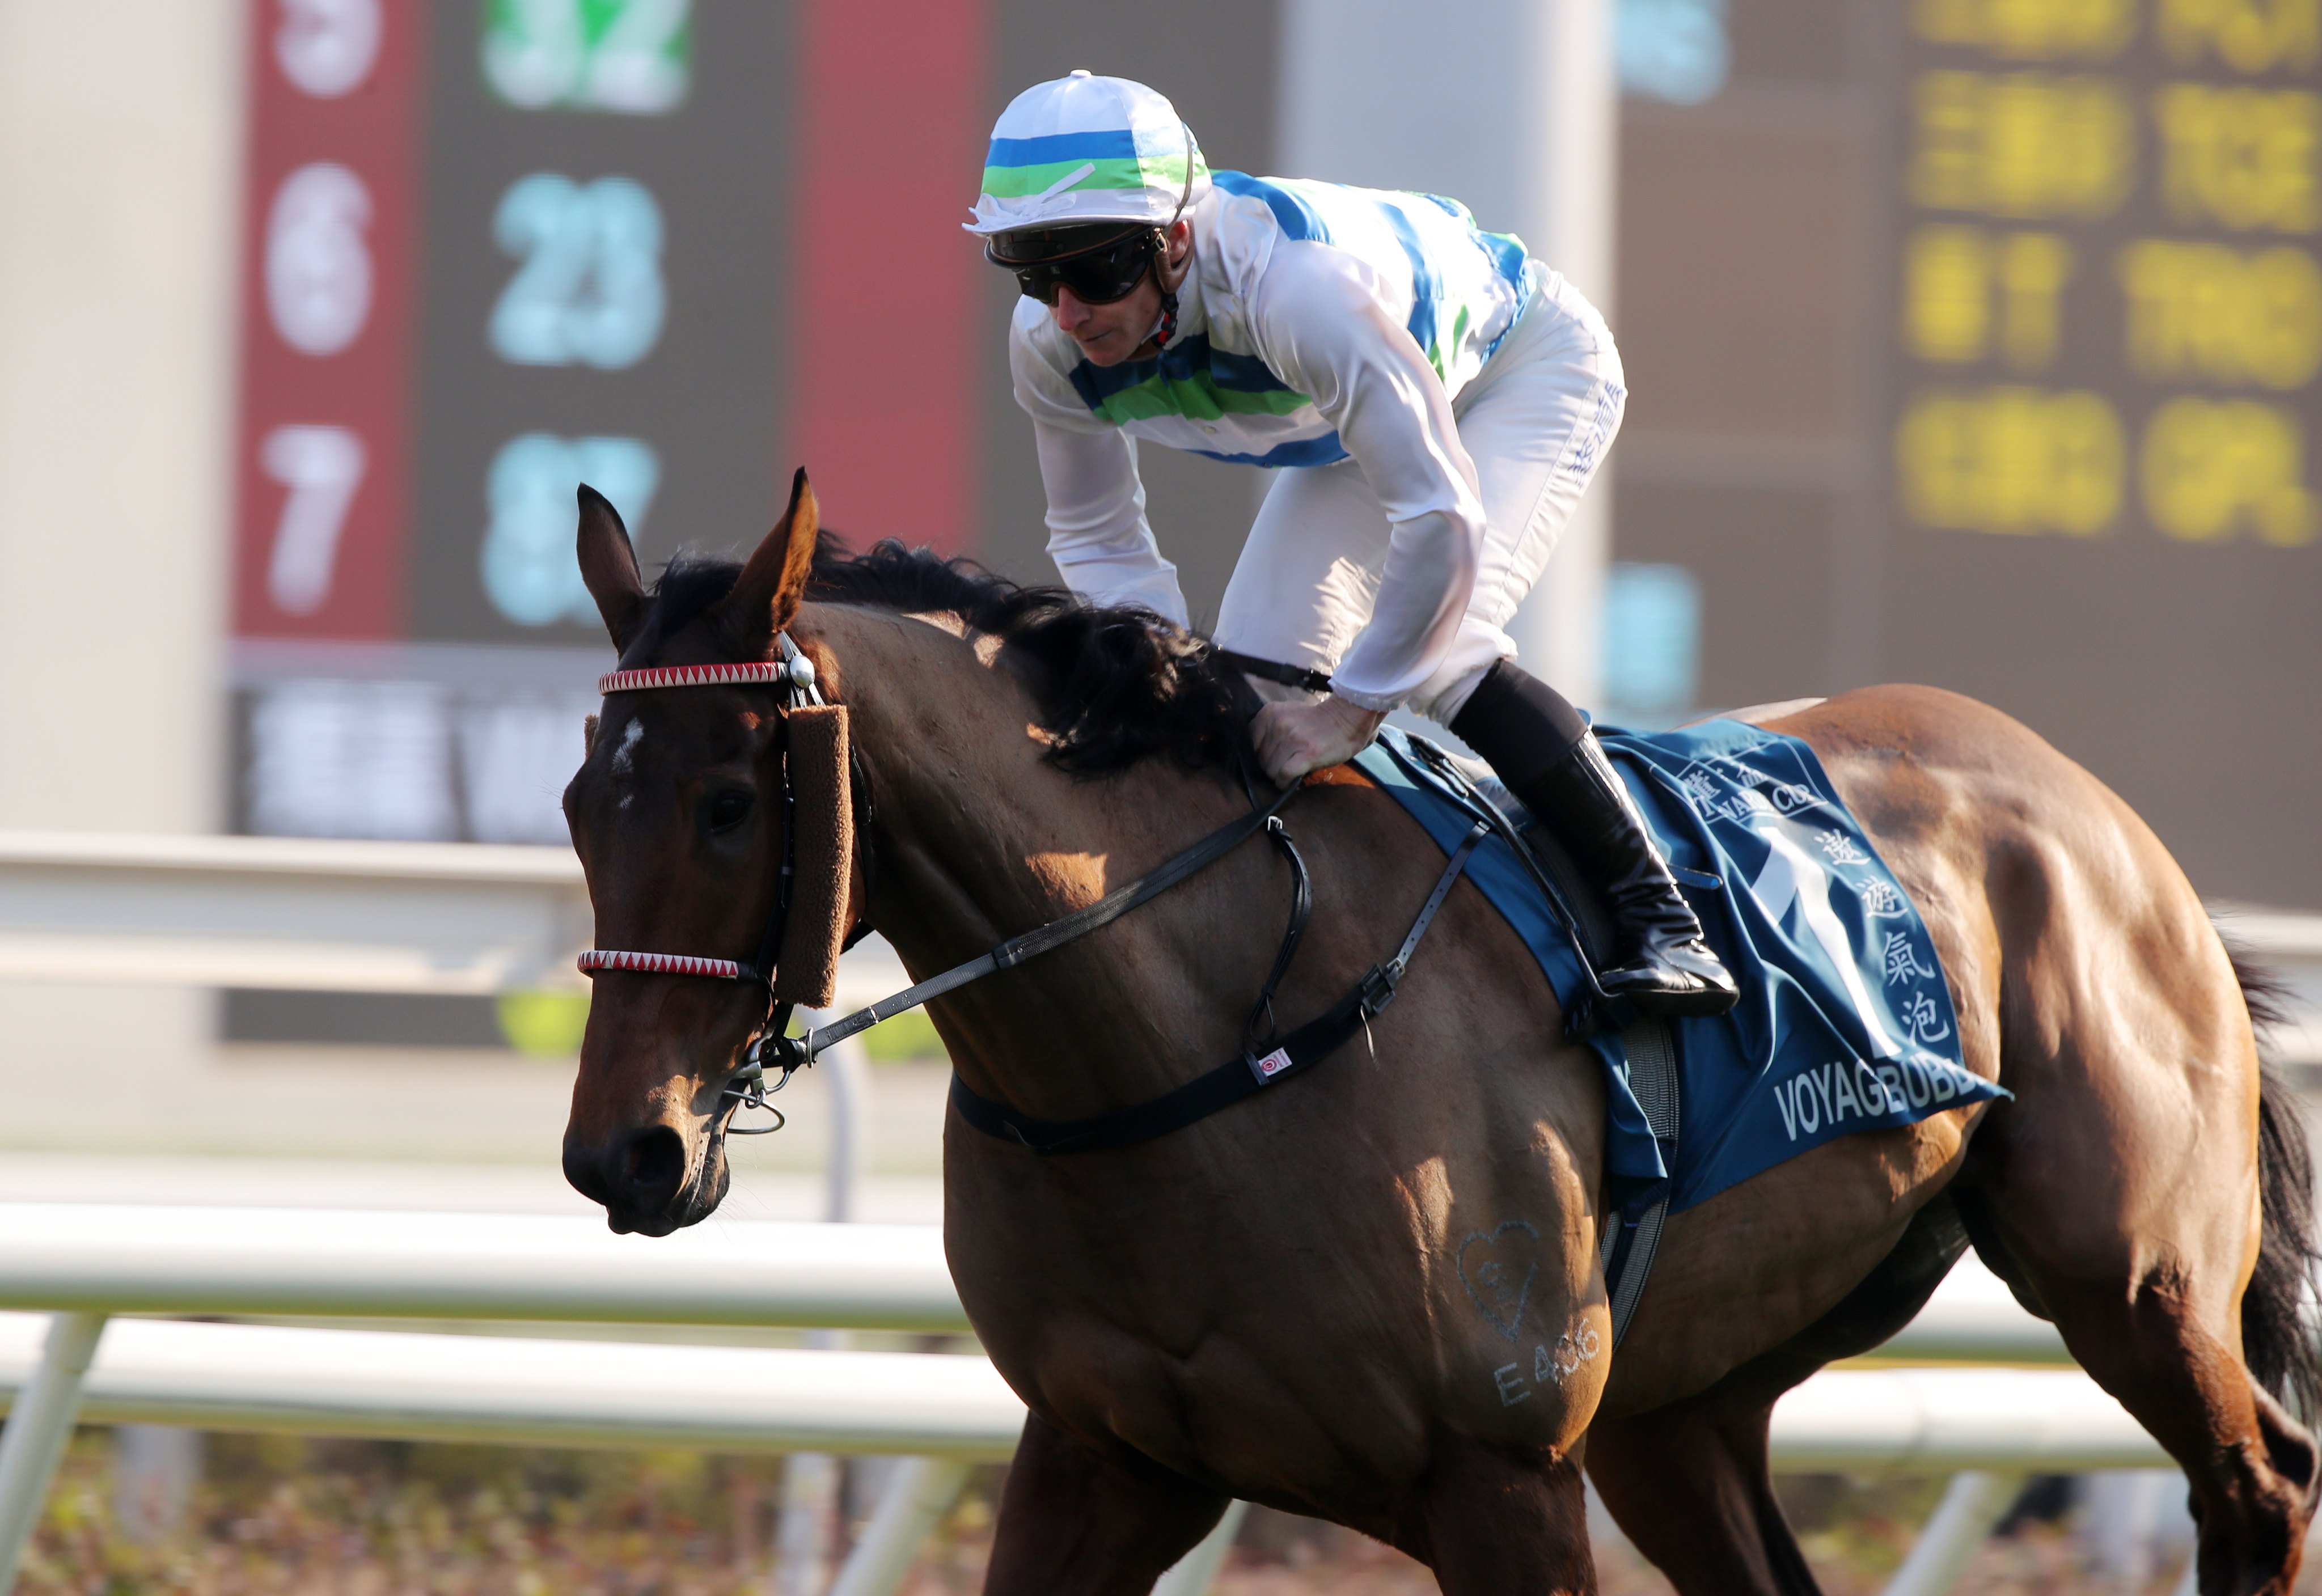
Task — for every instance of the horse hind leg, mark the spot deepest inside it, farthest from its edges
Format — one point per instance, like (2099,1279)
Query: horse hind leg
(2116,1194)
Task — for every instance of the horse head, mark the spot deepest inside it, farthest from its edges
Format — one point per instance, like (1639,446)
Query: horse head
(675,816)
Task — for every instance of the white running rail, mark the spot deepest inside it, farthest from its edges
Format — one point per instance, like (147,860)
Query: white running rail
(307,1262)
(288,912)
(299,914)
(80,1263)
(529,1391)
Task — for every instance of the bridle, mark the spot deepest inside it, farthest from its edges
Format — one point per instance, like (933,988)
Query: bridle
(794,675)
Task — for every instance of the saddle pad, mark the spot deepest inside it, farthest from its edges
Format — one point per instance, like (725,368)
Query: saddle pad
(1845,1022)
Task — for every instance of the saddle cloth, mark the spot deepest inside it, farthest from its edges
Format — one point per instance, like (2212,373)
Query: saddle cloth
(1845,1022)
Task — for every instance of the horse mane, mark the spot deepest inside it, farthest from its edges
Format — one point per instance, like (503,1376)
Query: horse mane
(1116,684)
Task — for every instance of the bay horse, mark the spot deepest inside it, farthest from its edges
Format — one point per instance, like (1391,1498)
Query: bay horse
(1279,1301)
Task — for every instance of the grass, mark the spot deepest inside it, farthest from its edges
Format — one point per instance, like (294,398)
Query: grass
(278,1517)
(909,1037)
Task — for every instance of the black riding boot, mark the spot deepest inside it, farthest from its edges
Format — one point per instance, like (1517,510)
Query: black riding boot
(1542,748)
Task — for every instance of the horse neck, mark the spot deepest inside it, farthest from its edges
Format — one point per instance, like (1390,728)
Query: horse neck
(978,838)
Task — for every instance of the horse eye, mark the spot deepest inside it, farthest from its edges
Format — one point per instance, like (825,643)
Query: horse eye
(724,810)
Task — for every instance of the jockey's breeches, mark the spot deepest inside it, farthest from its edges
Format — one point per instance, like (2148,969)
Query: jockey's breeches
(1537,423)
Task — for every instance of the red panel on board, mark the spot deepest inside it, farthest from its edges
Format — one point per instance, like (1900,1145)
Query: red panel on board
(884,399)
(330,246)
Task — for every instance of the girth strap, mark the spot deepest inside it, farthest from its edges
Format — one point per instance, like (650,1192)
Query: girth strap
(1230,1082)
(1302,910)
(1634,1233)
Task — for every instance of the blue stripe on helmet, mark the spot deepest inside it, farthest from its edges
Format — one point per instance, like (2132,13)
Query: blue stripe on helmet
(1112,143)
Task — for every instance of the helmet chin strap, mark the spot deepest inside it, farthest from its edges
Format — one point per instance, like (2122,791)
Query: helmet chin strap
(1166,327)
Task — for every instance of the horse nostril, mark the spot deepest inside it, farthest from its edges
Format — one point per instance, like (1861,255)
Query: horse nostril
(654,1166)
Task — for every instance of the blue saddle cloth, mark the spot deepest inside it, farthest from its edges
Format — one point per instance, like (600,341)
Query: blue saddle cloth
(1845,1022)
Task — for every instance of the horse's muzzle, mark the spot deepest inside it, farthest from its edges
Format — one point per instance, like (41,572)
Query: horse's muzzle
(646,1179)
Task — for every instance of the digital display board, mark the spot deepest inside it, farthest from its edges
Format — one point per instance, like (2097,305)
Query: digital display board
(2104,384)
(675,248)
(604,280)
(495,250)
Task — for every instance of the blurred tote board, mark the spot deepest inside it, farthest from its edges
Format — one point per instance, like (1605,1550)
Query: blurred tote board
(495,248)
(1969,342)
(1978,342)
(2103,396)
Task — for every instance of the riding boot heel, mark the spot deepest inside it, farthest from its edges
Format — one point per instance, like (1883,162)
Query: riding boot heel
(1660,961)
(1538,745)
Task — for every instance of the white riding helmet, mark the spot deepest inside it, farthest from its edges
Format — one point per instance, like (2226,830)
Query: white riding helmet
(1086,149)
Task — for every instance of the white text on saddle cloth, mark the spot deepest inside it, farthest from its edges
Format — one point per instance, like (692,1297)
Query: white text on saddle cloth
(1271,1065)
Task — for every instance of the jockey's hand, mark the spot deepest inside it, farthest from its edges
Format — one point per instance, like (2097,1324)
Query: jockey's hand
(1295,738)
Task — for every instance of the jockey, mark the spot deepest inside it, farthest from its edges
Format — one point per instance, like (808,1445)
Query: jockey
(1433,402)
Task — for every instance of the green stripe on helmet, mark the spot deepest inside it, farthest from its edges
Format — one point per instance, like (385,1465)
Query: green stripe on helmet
(1143,171)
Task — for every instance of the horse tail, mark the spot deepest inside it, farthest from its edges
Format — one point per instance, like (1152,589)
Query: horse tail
(2278,1343)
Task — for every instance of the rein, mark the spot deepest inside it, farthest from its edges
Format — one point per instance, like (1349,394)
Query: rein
(794,1052)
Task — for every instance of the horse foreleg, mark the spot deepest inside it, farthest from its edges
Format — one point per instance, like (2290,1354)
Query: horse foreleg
(1493,1523)
(1691,1486)
(1074,1521)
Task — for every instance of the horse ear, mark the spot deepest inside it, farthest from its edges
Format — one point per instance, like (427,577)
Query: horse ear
(609,565)
(768,593)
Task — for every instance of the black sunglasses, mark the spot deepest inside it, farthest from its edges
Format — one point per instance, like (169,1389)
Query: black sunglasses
(1097,274)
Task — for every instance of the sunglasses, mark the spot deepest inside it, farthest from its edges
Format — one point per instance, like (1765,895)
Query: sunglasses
(1098,274)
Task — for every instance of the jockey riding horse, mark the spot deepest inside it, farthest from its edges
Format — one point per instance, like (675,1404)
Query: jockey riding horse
(1432,401)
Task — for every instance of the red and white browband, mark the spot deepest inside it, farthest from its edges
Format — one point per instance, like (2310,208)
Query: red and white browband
(794,672)
(597,959)
(784,672)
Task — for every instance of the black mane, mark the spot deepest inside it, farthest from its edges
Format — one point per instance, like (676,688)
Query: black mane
(1115,684)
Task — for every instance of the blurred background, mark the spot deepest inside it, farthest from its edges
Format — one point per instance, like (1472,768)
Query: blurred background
(1972,342)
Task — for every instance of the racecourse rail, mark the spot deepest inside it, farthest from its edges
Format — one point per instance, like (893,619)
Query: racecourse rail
(73,1266)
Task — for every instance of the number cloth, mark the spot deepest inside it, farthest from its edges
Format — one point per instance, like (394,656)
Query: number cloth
(1845,1022)
(1438,397)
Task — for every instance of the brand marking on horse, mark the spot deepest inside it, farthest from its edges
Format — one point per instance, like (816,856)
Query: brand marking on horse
(1550,1365)
(1490,1273)
(1569,1352)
